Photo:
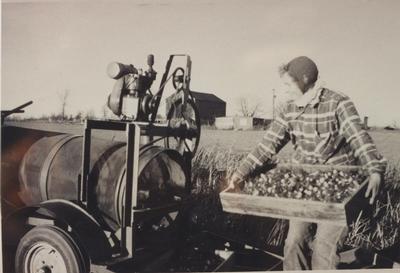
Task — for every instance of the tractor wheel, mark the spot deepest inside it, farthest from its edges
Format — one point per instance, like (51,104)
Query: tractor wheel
(49,249)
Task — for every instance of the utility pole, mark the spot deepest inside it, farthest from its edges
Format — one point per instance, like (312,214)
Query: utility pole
(273,103)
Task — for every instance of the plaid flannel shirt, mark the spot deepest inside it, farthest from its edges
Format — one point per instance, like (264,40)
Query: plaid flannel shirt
(327,130)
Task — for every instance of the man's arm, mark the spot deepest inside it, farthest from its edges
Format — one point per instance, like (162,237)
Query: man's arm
(362,145)
(274,139)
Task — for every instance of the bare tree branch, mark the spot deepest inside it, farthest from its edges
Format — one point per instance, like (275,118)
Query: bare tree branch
(280,109)
(63,99)
(105,112)
(256,110)
(248,109)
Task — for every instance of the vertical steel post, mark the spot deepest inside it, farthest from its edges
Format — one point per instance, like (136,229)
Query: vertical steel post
(186,85)
(84,196)
(132,169)
(161,89)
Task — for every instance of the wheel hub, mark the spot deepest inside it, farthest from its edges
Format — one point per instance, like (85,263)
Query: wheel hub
(44,270)
(44,258)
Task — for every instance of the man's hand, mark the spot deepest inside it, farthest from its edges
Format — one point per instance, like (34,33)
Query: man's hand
(373,187)
(234,182)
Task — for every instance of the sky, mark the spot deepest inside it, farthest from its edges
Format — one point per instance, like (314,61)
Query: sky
(236,48)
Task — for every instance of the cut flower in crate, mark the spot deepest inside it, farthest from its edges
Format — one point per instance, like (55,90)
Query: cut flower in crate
(318,185)
(310,193)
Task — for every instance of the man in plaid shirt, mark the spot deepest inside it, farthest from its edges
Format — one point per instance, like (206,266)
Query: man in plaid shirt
(325,128)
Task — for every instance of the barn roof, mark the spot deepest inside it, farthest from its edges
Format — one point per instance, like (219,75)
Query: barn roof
(206,96)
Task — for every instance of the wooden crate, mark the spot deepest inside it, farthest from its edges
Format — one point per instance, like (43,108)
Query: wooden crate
(305,210)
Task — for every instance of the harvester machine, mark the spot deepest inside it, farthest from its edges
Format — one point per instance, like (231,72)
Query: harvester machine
(71,202)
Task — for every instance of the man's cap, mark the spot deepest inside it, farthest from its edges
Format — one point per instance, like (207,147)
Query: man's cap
(300,66)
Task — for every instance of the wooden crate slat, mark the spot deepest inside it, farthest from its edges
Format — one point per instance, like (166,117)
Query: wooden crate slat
(311,168)
(309,211)
(304,210)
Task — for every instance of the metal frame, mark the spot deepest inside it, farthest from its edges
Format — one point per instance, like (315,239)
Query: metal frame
(165,78)
(16,110)
(132,164)
(130,212)
(133,130)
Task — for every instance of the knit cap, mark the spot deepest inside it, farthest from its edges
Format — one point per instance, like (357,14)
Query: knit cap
(300,66)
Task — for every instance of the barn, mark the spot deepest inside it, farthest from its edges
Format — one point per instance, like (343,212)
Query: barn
(209,105)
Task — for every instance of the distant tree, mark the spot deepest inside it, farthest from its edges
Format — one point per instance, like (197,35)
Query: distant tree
(14,118)
(105,112)
(44,117)
(63,100)
(52,117)
(395,124)
(90,114)
(279,109)
(78,117)
(248,109)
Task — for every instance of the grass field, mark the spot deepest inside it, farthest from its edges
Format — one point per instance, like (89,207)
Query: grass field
(387,142)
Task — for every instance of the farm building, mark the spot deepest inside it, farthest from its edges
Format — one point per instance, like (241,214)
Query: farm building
(209,105)
(241,123)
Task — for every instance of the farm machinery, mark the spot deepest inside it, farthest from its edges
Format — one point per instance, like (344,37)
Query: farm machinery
(73,201)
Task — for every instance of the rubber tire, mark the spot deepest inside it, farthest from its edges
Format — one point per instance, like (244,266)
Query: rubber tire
(60,240)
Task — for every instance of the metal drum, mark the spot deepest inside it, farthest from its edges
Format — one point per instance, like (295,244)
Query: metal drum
(15,142)
(51,168)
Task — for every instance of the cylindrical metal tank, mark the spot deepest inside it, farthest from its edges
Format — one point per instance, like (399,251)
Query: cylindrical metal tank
(15,142)
(51,168)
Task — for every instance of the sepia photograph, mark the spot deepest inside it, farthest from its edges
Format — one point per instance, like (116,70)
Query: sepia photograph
(200,136)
